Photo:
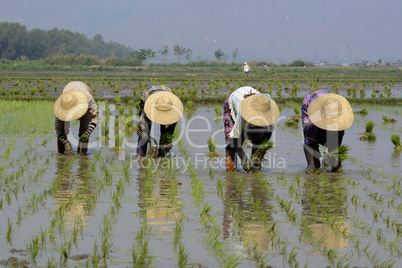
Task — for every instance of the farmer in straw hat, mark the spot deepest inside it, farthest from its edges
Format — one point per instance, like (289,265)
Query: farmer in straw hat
(248,114)
(76,102)
(325,116)
(159,105)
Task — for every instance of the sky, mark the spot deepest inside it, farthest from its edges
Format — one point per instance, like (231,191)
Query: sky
(279,31)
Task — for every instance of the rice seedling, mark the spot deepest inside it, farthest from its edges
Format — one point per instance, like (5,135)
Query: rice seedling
(396,140)
(369,135)
(218,109)
(386,119)
(212,148)
(362,112)
(294,119)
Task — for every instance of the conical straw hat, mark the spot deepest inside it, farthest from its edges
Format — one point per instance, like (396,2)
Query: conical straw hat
(163,108)
(259,110)
(331,112)
(71,105)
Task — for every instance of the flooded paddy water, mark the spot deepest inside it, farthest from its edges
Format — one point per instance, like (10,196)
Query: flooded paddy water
(105,209)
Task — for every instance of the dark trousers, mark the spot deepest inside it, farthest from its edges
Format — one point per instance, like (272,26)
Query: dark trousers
(314,136)
(85,120)
(256,135)
(165,138)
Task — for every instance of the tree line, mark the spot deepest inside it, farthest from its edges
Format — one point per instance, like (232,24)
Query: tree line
(17,43)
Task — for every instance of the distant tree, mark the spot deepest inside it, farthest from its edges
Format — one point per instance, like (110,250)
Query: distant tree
(142,54)
(297,63)
(188,54)
(379,62)
(234,54)
(164,52)
(179,52)
(98,38)
(17,42)
(219,55)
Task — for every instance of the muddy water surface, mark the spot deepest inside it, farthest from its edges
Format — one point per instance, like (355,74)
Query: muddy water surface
(104,208)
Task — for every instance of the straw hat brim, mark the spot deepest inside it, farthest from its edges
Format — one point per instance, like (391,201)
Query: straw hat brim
(256,114)
(163,117)
(74,112)
(335,123)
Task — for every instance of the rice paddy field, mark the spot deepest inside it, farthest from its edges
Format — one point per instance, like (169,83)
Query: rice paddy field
(111,208)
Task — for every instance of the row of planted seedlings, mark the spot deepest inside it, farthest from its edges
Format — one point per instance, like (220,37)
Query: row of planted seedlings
(85,215)
(203,87)
(26,192)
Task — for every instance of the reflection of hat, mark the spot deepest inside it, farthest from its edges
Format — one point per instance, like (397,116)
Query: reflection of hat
(163,108)
(259,110)
(70,105)
(331,112)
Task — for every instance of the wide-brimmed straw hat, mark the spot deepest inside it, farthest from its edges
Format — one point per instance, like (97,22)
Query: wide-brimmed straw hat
(259,110)
(163,108)
(331,112)
(70,105)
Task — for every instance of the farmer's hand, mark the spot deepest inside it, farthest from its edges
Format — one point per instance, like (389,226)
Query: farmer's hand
(84,137)
(68,148)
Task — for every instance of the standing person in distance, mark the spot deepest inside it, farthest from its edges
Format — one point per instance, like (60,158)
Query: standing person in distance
(246,68)
(75,103)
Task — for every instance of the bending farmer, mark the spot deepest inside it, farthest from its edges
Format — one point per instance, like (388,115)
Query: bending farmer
(325,116)
(76,102)
(159,105)
(248,114)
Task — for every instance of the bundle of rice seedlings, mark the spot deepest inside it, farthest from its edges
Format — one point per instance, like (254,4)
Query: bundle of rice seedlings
(262,149)
(294,119)
(153,149)
(361,112)
(212,148)
(369,126)
(190,104)
(218,109)
(369,135)
(331,159)
(396,140)
(386,119)
(118,141)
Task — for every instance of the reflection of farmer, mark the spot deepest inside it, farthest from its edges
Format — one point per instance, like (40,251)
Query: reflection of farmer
(76,102)
(254,218)
(325,116)
(73,192)
(325,199)
(248,114)
(246,68)
(158,104)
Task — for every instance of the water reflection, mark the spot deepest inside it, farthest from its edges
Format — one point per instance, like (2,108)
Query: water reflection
(324,200)
(247,212)
(396,158)
(74,192)
(158,196)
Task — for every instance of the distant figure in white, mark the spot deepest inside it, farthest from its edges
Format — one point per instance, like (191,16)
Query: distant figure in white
(246,68)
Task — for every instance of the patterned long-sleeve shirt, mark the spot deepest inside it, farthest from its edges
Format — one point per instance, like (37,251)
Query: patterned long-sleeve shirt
(309,129)
(92,107)
(234,105)
(144,122)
